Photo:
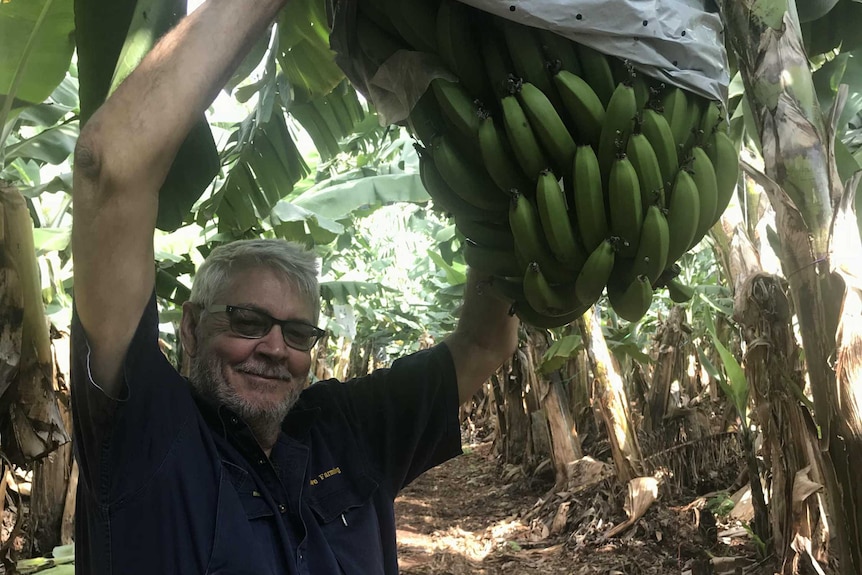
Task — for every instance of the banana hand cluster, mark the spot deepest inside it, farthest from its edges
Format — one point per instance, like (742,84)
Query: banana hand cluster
(569,174)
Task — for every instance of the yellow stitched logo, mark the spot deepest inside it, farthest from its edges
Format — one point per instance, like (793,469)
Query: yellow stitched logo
(325,475)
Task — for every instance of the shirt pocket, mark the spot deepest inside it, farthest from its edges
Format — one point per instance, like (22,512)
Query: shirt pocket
(236,543)
(346,516)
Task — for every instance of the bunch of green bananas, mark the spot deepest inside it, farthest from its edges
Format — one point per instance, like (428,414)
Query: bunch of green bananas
(569,174)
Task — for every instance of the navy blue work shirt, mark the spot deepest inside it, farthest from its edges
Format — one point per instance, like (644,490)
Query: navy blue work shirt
(171,483)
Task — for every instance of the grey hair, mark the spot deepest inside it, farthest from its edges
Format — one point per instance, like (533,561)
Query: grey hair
(297,264)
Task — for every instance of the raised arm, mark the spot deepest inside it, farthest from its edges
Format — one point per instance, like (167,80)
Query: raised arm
(122,158)
(486,336)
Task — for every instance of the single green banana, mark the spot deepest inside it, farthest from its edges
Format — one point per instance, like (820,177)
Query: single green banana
(589,199)
(657,130)
(547,299)
(531,317)
(549,127)
(642,90)
(530,240)
(498,65)
(682,215)
(526,147)
(492,261)
(696,106)
(499,158)
(632,301)
(469,181)
(642,156)
(703,174)
(678,291)
(459,48)
(597,72)
(559,52)
(595,274)
(411,19)
(447,200)
(458,108)
(554,215)
(676,112)
(725,159)
(651,258)
(624,71)
(624,199)
(529,59)
(426,119)
(583,106)
(709,121)
(489,234)
(619,115)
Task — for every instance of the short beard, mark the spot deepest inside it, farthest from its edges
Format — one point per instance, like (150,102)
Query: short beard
(207,377)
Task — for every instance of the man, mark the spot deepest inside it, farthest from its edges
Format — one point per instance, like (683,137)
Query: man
(213,475)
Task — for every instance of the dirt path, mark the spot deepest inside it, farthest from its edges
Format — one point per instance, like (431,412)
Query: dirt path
(464,517)
(461,518)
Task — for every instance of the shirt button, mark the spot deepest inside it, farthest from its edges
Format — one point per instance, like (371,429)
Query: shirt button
(282,508)
(260,461)
(234,420)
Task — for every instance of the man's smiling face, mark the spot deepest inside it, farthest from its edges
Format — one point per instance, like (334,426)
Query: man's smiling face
(261,378)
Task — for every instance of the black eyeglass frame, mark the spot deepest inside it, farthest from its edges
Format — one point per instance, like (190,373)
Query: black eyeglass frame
(317,333)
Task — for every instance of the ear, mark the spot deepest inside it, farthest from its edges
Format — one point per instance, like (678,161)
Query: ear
(189,328)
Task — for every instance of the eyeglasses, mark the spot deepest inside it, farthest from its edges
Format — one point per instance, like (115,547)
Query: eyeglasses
(254,324)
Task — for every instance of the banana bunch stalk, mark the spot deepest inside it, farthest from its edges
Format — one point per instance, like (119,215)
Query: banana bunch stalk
(569,174)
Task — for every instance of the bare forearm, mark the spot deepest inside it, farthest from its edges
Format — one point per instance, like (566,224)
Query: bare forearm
(486,336)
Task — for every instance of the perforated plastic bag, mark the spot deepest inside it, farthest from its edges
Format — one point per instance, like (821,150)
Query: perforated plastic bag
(677,41)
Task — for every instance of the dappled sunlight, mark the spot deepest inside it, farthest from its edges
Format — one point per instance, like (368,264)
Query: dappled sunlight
(473,546)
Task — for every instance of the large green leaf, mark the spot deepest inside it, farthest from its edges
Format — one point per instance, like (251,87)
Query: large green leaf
(340,200)
(735,385)
(48,36)
(266,166)
(342,291)
(560,352)
(101,27)
(113,37)
(837,28)
(304,52)
(53,145)
(63,99)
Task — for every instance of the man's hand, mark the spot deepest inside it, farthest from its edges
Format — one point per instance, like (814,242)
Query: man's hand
(486,335)
(122,158)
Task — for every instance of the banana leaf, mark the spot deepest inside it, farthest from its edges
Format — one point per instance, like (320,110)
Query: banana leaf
(36,42)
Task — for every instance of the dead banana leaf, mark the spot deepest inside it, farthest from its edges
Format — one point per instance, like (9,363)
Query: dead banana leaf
(30,425)
(641,494)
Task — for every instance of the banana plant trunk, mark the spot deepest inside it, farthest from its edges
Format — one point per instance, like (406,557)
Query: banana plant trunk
(31,426)
(518,423)
(565,444)
(672,356)
(612,399)
(790,444)
(805,191)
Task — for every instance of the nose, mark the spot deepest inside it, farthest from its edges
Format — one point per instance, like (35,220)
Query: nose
(272,344)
